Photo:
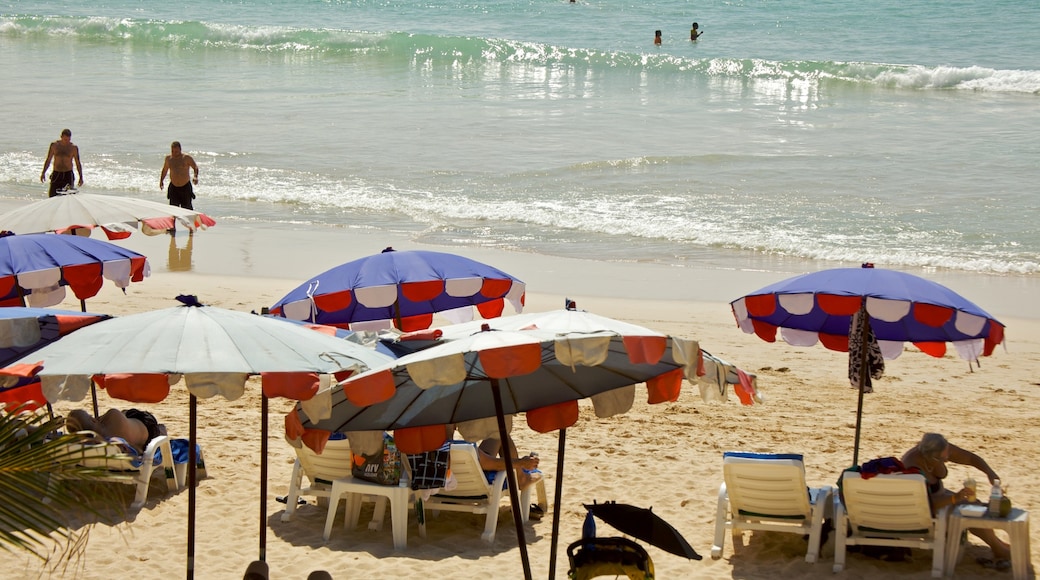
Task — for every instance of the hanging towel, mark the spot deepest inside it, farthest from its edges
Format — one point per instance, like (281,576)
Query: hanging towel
(875,361)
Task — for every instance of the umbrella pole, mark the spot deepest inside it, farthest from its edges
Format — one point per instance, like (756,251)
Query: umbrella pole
(514,493)
(556,503)
(263,477)
(192,460)
(93,396)
(82,305)
(862,380)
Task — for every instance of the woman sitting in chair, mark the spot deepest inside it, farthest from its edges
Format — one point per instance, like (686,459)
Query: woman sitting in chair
(135,427)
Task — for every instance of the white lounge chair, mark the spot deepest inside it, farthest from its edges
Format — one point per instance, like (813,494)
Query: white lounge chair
(767,491)
(129,468)
(329,476)
(475,495)
(888,510)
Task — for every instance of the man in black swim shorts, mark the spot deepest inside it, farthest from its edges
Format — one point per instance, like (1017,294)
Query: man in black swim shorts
(64,153)
(177,165)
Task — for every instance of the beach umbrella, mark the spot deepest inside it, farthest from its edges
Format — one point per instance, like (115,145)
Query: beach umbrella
(402,289)
(644,524)
(24,330)
(118,216)
(138,358)
(484,369)
(35,268)
(887,307)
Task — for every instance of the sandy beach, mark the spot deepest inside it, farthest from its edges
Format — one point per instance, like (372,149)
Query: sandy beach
(666,456)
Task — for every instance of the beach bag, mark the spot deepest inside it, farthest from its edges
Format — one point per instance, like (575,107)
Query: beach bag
(430,469)
(382,467)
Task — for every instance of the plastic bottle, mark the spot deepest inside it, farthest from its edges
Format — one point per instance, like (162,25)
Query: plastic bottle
(588,529)
(995,495)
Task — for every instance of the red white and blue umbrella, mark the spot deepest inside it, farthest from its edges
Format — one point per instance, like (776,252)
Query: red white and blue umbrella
(35,268)
(819,308)
(402,289)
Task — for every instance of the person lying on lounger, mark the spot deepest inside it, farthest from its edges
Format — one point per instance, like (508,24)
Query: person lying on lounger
(135,427)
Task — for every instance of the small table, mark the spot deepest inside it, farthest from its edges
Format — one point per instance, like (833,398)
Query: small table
(1016,525)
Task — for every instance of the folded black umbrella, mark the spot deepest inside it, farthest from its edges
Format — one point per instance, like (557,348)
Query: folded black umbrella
(645,525)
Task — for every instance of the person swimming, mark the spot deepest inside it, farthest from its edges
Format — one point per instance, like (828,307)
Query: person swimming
(695,31)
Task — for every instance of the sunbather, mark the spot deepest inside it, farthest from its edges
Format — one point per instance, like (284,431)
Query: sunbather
(135,427)
(489,452)
(930,456)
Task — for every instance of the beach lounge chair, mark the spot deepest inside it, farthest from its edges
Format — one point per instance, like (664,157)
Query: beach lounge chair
(130,468)
(767,491)
(329,476)
(888,510)
(475,495)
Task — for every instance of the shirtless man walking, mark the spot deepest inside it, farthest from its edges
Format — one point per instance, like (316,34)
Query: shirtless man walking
(63,152)
(177,164)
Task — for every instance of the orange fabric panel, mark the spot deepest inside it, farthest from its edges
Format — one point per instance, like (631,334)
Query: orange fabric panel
(511,361)
(553,417)
(839,305)
(159,223)
(761,305)
(422,291)
(495,287)
(932,315)
(322,328)
(84,279)
(371,389)
(417,322)
(412,440)
(664,388)
(136,388)
(492,308)
(645,349)
(764,330)
(422,334)
(206,220)
(293,425)
(24,370)
(113,235)
(838,342)
(137,268)
(30,395)
(299,386)
(936,349)
(67,324)
(316,439)
(334,301)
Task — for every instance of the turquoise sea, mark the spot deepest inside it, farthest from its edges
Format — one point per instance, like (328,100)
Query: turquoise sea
(901,132)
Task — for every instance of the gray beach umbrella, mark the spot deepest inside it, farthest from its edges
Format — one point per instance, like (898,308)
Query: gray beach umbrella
(116,215)
(215,350)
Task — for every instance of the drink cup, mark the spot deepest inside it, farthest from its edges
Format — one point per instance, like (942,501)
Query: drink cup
(971,486)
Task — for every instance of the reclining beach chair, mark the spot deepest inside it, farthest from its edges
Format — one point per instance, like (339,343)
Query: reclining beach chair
(475,495)
(329,476)
(888,510)
(130,468)
(594,557)
(767,491)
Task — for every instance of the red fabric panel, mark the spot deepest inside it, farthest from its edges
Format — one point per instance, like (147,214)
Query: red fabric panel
(322,328)
(838,342)
(84,279)
(293,425)
(934,316)
(342,375)
(412,440)
(996,336)
(67,324)
(645,349)
(423,334)
(764,330)
(511,361)
(160,223)
(492,308)
(370,389)
(30,395)
(495,287)
(553,417)
(15,301)
(299,386)
(7,285)
(136,388)
(422,291)
(761,305)
(936,349)
(839,305)
(664,388)
(206,220)
(137,268)
(316,439)
(24,370)
(417,322)
(334,301)
(115,235)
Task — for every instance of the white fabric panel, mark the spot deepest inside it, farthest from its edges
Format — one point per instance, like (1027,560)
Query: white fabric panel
(442,371)
(969,350)
(587,352)
(365,442)
(887,310)
(890,349)
(614,401)
(65,387)
(376,296)
(299,310)
(46,297)
(740,311)
(516,292)
(319,407)
(795,337)
(969,323)
(458,315)
(480,429)
(746,325)
(372,325)
(19,332)
(117,271)
(686,352)
(797,304)
(207,385)
(40,279)
(460,287)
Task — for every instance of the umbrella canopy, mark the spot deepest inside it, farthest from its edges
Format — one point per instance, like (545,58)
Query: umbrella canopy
(215,350)
(644,524)
(24,330)
(541,364)
(114,214)
(402,289)
(898,307)
(37,267)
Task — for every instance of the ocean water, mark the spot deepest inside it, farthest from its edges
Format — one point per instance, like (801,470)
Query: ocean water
(793,134)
